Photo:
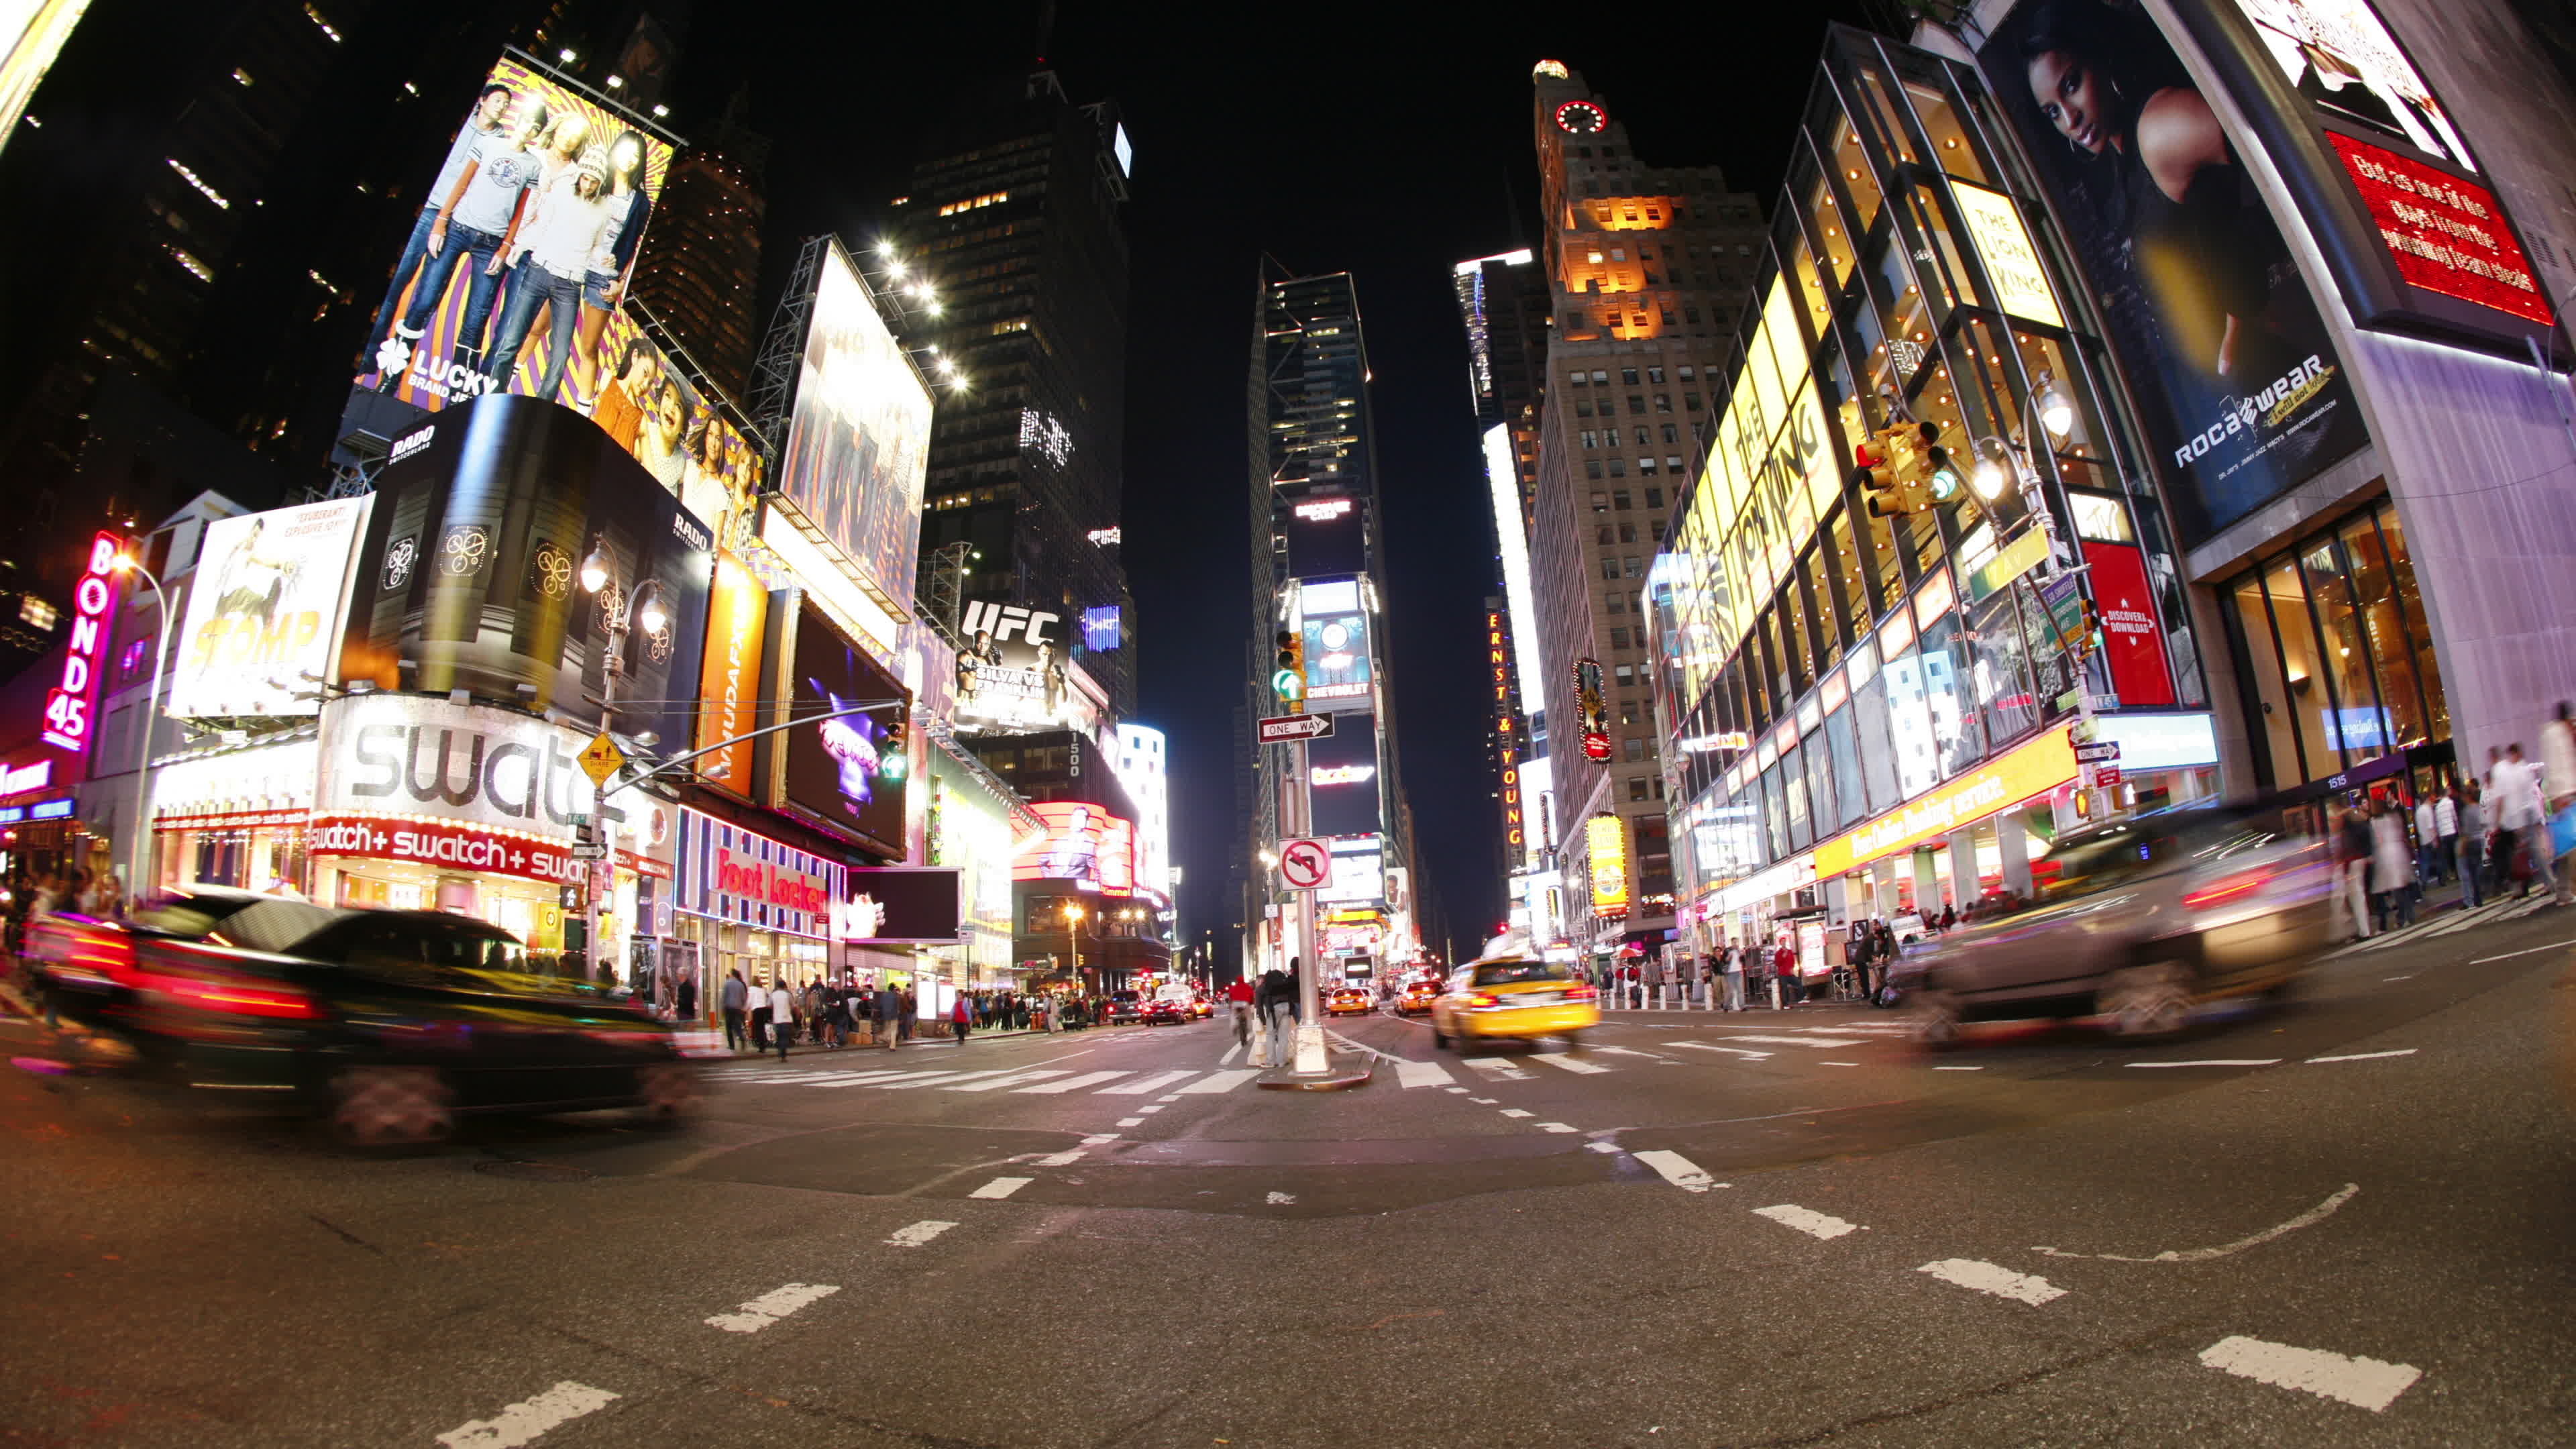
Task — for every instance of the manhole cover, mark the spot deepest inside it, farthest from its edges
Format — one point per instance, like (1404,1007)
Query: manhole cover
(534,1171)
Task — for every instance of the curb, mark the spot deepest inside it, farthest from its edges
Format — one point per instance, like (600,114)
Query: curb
(1341,1081)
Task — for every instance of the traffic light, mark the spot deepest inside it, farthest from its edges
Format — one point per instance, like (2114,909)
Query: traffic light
(894,760)
(2092,617)
(1288,675)
(1940,473)
(1904,470)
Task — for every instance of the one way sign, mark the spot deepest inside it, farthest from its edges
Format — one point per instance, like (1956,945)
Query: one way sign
(1295,727)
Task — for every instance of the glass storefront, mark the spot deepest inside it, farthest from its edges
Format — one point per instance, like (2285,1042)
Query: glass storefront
(2334,658)
(1872,663)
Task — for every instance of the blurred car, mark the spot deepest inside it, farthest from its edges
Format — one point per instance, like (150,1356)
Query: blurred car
(2136,922)
(1201,1008)
(392,1024)
(1164,1012)
(1417,998)
(1124,1006)
(1513,998)
(1349,1000)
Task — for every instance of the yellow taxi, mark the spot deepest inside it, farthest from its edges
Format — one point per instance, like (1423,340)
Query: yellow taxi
(1513,997)
(1354,1000)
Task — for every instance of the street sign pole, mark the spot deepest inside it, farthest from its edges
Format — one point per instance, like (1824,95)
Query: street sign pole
(1310,1016)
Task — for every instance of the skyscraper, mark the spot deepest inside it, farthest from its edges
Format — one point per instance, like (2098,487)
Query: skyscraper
(1013,253)
(1646,266)
(701,276)
(1504,304)
(1319,590)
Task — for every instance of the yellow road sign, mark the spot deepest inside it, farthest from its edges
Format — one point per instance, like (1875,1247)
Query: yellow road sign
(602,758)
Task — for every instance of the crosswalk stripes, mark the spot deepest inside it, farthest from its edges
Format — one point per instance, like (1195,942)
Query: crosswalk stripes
(1011,1079)
(1420,1074)
(1087,1079)
(1221,1081)
(1147,1086)
(1499,1070)
(1572,1064)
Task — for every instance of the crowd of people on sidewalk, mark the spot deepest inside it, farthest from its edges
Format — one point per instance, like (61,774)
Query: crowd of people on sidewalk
(847,1012)
(2514,827)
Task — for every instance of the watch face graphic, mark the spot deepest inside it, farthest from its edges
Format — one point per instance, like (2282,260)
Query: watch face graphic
(1582,118)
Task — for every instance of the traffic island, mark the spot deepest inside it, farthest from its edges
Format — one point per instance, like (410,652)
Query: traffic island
(1339,1075)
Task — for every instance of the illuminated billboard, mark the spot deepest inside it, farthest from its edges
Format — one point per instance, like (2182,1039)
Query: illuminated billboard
(1326,536)
(2339,55)
(1341,779)
(1605,840)
(2235,376)
(1081,842)
(515,274)
(1591,712)
(1359,872)
(469,575)
(1015,668)
(263,617)
(729,680)
(1338,674)
(838,769)
(859,439)
(71,705)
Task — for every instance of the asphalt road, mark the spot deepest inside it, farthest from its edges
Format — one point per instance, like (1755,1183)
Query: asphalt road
(2344,1221)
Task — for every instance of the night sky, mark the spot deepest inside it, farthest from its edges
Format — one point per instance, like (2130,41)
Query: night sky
(1333,140)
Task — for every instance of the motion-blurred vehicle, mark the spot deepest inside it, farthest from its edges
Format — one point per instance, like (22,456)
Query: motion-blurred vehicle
(1163,1011)
(1123,1006)
(2136,922)
(1416,998)
(1513,997)
(1201,1008)
(1349,1001)
(392,1024)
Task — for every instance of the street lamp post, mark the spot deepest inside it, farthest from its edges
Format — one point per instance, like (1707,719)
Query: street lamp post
(1995,458)
(645,608)
(127,563)
(1073,940)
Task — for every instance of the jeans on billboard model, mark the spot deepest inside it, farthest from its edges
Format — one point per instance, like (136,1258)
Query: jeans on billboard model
(2228,361)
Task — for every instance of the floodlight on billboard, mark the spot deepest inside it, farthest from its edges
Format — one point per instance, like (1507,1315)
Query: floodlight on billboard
(262,625)
(858,438)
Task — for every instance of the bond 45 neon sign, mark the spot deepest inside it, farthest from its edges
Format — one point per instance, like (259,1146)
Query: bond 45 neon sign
(71,706)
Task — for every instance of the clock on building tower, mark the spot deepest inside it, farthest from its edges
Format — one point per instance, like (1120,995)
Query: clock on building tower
(1582,118)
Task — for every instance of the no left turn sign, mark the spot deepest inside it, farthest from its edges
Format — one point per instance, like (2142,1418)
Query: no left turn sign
(1304,864)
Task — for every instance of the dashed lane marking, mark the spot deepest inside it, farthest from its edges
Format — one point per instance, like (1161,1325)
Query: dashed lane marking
(1157,1107)
(526,1421)
(1097,1138)
(1484,1101)
(1976,1069)
(1620,1051)
(1813,1224)
(1145,1086)
(918,1234)
(1989,1278)
(1282,1199)
(2216,1062)
(2534,951)
(1612,1148)
(1553,1127)
(1517,1112)
(1087,1079)
(1231,1053)
(2366,1383)
(2364,1056)
(1061,1159)
(1421,1074)
(1572,1064)
(1131,1121)
(1676,1169)
(1002,1187)
(1220,1081)
(1837,1064)
(1804,1041)
(772,1306)
(1459,1091)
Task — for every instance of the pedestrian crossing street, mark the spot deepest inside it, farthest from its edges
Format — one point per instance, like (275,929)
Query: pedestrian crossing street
(2510,908)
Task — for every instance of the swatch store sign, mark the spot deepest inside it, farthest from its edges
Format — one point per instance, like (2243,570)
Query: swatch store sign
(454,787)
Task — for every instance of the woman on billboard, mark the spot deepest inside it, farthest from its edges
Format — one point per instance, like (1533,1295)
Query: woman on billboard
(605,287)
(2199,237)
(560,245)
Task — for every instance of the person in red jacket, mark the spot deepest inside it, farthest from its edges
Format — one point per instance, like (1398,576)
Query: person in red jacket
(1784,965)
